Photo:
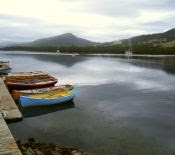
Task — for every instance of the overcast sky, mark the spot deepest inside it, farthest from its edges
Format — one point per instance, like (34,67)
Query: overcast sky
(97,20)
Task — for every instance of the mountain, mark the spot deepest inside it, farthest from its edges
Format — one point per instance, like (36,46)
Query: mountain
(165,39)
(66,39)
(159,43)
(7,43)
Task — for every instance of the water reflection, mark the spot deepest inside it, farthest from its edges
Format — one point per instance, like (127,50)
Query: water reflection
(52,58)
(116,96)
(141,72)
(41,110)
(163,63)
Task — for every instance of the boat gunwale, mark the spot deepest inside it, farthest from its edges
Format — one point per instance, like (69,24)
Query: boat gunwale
(52,80)
(47,89)
(28,96)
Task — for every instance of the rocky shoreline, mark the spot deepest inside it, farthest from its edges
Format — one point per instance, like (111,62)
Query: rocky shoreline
(31,147)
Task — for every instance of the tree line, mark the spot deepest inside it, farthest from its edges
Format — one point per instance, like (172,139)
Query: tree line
(115,49)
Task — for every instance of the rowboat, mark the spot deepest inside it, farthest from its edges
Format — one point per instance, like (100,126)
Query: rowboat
(27,79)
(5,68)
(4,63)
(23,84)
(17,93)
(47,98)
(24,75)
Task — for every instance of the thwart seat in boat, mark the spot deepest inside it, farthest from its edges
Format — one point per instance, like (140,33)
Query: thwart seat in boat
(26,74)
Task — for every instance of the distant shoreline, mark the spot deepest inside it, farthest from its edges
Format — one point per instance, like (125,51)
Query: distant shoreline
(117,49)
(93,54)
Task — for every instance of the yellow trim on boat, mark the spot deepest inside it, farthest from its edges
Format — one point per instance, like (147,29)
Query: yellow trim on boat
(51,95)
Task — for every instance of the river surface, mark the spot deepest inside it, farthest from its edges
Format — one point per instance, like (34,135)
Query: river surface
(125,106)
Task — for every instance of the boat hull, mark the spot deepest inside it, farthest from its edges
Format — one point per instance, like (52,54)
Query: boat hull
(128,53)
(7,71)
(17,93)
(23,86)
(26,101)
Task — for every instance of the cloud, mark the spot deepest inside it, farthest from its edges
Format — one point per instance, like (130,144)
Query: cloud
(96,20)
(127,8)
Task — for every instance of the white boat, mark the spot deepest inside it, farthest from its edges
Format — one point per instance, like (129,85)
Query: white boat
(130,50)
(58,51)
(4,63)
(74,54)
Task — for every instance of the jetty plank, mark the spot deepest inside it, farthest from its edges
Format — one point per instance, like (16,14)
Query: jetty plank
(8,145)
(8,105)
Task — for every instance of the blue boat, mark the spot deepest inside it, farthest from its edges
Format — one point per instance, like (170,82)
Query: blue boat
(6,71)
(4,67)
(47,98)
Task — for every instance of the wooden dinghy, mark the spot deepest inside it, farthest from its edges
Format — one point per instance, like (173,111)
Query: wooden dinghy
(4,69)
(27,75)
(17,93)
(23,84)
(24,79)
(47,98)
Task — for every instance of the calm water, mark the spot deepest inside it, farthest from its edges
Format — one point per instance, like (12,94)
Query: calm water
(125,106)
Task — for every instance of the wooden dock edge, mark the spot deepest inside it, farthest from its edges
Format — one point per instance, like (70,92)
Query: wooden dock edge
(9,112)
(8,145)
(7,105)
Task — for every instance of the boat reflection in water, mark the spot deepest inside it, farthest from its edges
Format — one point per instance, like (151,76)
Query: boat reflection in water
(42,110)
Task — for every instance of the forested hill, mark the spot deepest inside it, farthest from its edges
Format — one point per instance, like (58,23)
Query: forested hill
(67,39)
(166,39)
(160,43)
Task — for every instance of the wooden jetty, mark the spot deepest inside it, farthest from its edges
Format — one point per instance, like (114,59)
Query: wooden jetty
(8,145)
(7,104)
(9,112)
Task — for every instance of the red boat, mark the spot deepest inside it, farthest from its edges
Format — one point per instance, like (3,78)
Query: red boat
(30,83)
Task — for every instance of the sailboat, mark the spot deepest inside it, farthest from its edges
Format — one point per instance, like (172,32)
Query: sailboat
(130,50)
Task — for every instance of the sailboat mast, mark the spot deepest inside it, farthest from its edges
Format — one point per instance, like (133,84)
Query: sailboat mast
(130,51)
(130,46)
